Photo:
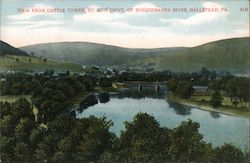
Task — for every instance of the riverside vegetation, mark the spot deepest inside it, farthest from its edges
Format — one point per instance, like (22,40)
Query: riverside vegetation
(54,134)
(89,139)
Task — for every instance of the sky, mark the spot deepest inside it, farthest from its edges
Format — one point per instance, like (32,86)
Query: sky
(127,28)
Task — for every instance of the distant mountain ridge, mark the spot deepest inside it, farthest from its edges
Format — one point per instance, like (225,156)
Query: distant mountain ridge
(6,49)
(93,54)
(229,54)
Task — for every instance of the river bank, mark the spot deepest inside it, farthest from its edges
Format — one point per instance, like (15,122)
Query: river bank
(76,101)
(207,107)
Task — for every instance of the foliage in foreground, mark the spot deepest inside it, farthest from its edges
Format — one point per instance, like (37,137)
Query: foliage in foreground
(68,139)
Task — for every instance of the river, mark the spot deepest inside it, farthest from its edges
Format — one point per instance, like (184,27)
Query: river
(216,128)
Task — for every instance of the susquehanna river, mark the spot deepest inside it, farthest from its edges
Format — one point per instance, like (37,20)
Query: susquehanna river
(216,128)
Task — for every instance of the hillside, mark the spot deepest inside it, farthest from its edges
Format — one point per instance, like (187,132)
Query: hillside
(6,49)
(29,64)
(231,55)
(93,54)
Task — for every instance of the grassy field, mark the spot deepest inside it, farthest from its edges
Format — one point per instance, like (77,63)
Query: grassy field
(201,101)
(25,63)
(206,97)
(13,98)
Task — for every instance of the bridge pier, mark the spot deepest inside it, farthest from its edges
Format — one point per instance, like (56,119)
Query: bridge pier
(157,88)
(140,87)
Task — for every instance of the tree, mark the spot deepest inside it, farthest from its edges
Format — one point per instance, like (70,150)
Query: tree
(79,87)
(205,73)
(5,109)
(144,140)
(187,144)
(243,90)
(62,125)
(43,110)
(48,72)
(23,129)
(172,84)
(104,97)
(64,150)
(216,99)
(228,154)
(58,96)
(69,91)
(213,75)
(46,148)
(184,89)
(16,88)
(6,146)
(5,88)
(22,152)
(95,139)
(7,124)
(49,84)
(22,109)
(88,82)
(105,82)
(235,103)
(232,88)
(17,59)
(44,60)
(27,87)
(90,100)
(216,85)
(35,137)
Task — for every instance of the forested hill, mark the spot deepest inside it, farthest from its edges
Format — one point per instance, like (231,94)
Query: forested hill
(229,55)
(6,49)
(94,54)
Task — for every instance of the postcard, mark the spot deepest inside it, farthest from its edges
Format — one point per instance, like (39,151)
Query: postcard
(124,81)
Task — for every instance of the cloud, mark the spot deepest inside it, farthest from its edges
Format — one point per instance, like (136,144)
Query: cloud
(129,29)
(34,19)
(96,16)
(125,22)
(145,5)
(108,22)
(199,18)
(18,37)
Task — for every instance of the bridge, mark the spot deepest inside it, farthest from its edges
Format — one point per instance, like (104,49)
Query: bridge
(141,85)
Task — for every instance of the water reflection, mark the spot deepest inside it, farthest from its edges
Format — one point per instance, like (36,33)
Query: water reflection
(179,108)
(146,92)
(215,115)
(89,100)
(104,97)
(132,92)
(136,94)
(124,105)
